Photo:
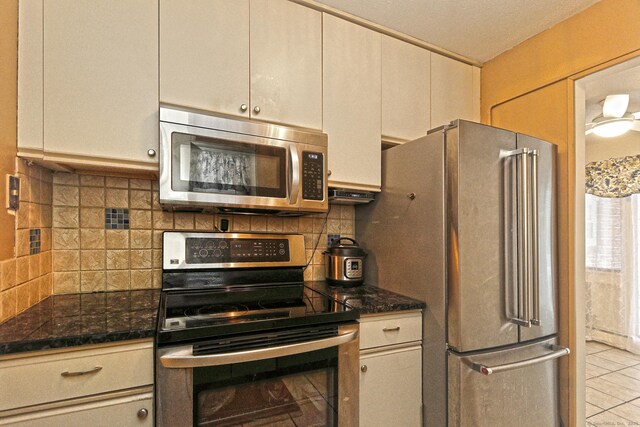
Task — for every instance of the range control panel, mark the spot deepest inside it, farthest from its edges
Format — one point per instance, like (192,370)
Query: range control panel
(223,250)
(312,175)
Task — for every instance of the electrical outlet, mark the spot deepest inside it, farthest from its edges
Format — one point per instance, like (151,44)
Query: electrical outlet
(223,223)
(331,238)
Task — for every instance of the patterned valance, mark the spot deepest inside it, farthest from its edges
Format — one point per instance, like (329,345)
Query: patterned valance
(614,177)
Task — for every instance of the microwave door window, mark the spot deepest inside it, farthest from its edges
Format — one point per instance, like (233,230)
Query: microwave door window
(211,165)
(219,170)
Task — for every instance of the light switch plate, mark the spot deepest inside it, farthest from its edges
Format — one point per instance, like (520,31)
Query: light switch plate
(13,192)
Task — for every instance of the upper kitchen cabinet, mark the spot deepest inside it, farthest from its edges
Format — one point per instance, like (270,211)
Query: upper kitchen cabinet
(100,83)
(30,76)
(204,54)
(352,103)
(260,59)
(286,63)
(455,91)
(405,90)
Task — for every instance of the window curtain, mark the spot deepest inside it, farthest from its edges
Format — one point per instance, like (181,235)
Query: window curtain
(612,246)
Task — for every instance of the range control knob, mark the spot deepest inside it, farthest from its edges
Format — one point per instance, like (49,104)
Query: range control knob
(217,253)
(203,252)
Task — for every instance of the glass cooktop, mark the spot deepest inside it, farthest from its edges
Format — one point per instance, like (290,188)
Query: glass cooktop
(188,315)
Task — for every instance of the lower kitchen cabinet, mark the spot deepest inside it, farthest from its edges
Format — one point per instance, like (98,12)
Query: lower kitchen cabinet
(95,385)
(136,410)
(391,369)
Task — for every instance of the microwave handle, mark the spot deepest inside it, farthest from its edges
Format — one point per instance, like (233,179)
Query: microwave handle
(294,173)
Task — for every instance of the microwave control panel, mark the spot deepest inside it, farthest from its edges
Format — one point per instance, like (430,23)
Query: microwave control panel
(312,175)
(216,250)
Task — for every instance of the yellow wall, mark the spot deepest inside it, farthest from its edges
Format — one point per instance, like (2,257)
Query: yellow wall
(530,89)
(8,105)
(603,32)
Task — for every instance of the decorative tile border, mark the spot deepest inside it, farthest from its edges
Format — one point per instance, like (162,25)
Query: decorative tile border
(35,241)
(116,219)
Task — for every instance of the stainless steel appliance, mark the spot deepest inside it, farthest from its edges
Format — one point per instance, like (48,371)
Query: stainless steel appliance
(466,222)
(344,263)
(211,161)
(241,340)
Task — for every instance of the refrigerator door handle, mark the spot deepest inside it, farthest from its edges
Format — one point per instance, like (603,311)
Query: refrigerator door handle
(523,282)
(557,352)
(535,238)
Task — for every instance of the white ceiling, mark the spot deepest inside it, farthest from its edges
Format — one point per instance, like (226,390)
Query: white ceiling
(627,81)
(622,78)
(477,29)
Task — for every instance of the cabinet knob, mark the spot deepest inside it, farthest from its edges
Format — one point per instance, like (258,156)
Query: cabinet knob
(363,368)
(256,109)
(151,152)
(243,107)
(143,413)
(329,172)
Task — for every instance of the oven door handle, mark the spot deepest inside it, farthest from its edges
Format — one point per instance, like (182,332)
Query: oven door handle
(183,358)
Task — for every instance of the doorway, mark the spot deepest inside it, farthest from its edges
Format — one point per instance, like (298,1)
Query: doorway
(608,249)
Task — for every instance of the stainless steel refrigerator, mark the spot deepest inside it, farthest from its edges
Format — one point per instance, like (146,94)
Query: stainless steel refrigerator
(466,221)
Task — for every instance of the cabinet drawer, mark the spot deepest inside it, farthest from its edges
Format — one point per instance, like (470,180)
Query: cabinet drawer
(121,412)
(53,377)
(377,331)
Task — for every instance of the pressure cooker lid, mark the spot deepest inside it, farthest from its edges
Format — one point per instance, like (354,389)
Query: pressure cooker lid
(341,249)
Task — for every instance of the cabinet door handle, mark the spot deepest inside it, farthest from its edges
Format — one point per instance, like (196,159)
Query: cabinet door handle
(363,368)
(243,107)
(256,109)
(80,373)
(397,328)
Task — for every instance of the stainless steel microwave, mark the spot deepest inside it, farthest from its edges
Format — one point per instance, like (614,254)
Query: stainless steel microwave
(216,162)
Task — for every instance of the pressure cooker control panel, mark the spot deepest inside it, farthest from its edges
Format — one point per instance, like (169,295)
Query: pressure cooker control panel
(222,250)
(353,268)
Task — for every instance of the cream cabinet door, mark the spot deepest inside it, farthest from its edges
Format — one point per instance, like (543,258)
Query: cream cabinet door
(455,91)
(204,54)
(129,411)
(351,103)
(286,63)
(30,78)
(391,388)
(101,81)
(406,89)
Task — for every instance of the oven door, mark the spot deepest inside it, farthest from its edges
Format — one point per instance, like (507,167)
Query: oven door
(314,382)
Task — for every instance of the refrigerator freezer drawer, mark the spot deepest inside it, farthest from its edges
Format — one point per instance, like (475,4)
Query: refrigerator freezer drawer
(525,394)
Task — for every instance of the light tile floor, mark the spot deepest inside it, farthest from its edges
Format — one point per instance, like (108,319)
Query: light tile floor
(613,386)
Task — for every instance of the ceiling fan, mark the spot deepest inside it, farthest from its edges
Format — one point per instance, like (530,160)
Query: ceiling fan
(614,120)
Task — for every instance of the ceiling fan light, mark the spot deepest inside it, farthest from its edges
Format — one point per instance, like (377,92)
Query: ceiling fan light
(613,127)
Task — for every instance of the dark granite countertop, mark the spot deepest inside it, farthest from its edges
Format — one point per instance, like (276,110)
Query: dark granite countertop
(92,318)
(367,299)
(78,319)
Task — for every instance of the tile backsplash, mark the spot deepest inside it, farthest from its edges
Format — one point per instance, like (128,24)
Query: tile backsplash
(107,232)
(26,278)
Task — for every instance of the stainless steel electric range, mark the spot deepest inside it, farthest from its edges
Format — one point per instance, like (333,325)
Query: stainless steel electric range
(241,340)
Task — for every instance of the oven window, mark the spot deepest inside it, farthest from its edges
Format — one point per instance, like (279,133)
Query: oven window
(299,390)
(212,165)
